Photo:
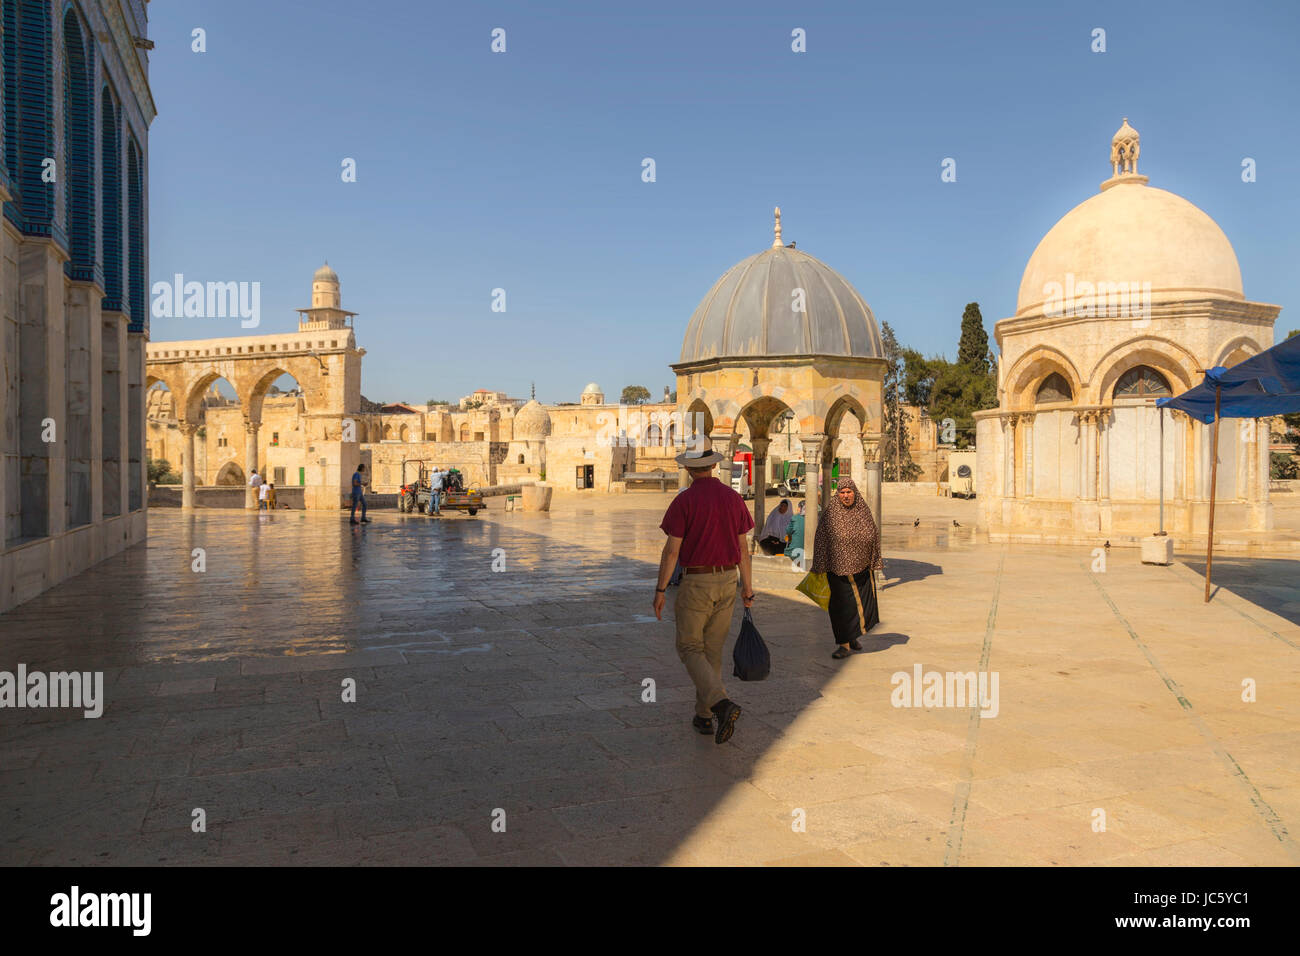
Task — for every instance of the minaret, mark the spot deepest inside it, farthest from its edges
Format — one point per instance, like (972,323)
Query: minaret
(326,311)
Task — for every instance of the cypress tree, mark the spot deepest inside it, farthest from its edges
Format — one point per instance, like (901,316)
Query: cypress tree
(973,350)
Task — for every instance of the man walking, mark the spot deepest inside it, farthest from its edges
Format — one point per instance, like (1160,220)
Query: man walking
(263,496)
(707,525)
(358,494)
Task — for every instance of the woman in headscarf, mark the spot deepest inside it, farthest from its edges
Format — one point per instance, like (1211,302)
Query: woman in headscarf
(772,538)
(847,550)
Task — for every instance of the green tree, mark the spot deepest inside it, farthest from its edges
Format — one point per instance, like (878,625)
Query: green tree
(160,472)
(973,349)
(895,459)
(960,391)
(1282,467)
(969,385)
(918,377)
(635,395)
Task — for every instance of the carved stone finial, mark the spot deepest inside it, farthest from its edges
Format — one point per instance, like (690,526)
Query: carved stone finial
(776,242)
(1124,149)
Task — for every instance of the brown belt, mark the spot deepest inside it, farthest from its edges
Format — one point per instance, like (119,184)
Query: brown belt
(710,568)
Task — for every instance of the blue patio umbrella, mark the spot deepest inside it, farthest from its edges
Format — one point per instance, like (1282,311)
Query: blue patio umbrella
(1263,385)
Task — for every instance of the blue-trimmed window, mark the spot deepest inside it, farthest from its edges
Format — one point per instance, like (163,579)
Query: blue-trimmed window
(32,98)
(78,167)
(110,143)
(137,298)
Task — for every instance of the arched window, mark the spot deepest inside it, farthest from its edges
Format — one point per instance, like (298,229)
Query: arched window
(1142,381)
(1054,389)
(464,433)
(521,459)
(78,168)
(136,298)
(110,161)
(29,113)
(405,434)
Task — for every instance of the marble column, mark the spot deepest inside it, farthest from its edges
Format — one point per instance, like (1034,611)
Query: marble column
(250,462)
(1103,457)
(1009,456)
(1088,422)
(187,467)
(812,456)
(760,483)
(1027,428)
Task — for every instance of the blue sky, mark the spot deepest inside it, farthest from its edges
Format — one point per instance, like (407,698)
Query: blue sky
(522,170)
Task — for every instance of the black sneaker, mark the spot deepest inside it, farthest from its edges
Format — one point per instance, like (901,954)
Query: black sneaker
(365,521)
(354,521)
(727,712)
(703,725)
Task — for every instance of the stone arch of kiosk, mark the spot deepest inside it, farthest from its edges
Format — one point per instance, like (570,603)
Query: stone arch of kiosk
(323,357)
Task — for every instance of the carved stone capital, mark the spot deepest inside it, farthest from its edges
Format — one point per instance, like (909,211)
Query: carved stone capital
(812,449)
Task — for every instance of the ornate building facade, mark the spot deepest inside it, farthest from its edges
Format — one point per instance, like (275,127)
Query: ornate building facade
(74,300)
(1129,297)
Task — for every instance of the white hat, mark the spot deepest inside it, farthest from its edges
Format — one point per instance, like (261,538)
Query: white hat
(699,459)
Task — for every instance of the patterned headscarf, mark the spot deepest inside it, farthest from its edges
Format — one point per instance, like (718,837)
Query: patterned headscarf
(847,540)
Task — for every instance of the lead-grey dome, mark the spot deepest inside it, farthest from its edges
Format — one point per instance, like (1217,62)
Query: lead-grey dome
(748,312)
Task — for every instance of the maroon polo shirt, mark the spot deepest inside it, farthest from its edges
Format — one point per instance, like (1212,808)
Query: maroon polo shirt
(709,518)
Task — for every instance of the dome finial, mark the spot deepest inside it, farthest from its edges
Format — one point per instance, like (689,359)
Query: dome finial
(534,394)
(776,242)
(1124,150)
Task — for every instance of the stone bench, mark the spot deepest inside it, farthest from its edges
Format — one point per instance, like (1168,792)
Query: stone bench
(662,477)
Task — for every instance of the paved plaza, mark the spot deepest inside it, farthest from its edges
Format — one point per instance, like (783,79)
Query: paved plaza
(515,696)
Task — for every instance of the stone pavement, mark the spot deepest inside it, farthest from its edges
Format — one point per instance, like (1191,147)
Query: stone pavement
(1119,699)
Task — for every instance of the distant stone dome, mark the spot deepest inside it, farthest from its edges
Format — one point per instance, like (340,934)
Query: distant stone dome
(1133,233)
(750,311)
(532,421)
(325,274)
(591,389)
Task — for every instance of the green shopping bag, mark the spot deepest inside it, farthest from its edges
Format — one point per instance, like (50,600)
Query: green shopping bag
(818,588)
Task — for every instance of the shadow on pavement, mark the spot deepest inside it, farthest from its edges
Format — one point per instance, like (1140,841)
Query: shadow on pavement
(1270,583)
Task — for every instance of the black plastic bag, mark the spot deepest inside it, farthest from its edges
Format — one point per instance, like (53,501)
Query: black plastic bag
(753,662)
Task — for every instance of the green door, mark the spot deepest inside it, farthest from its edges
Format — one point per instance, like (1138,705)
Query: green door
(302,475)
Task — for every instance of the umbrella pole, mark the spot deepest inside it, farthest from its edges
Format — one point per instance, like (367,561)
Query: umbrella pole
(1162,471)
(1214,477)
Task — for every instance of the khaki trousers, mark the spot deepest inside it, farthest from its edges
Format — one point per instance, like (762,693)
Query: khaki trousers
(703,613)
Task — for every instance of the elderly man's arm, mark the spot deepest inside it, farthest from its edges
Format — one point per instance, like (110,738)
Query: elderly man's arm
(667,562)
(746,572)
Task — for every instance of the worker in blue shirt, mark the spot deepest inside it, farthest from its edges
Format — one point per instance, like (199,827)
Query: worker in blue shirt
(437,480)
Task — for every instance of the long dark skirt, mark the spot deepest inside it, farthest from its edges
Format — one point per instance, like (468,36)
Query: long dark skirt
(853,607)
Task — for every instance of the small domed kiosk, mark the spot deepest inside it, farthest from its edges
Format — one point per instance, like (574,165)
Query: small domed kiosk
(1125,300)
(781,338)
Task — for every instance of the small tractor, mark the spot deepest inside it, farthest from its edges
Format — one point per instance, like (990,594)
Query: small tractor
(414,496)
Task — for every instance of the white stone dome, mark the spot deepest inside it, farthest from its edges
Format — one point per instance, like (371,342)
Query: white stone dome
(1133,233)
(532,422)
(325,274)
(592,389)
(750,311)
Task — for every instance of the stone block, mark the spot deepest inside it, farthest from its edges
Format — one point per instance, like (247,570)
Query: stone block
(1158,549)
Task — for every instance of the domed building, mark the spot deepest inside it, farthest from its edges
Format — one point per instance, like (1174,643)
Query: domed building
(526,453)
(1125,300)
(592,395)
(782,335)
